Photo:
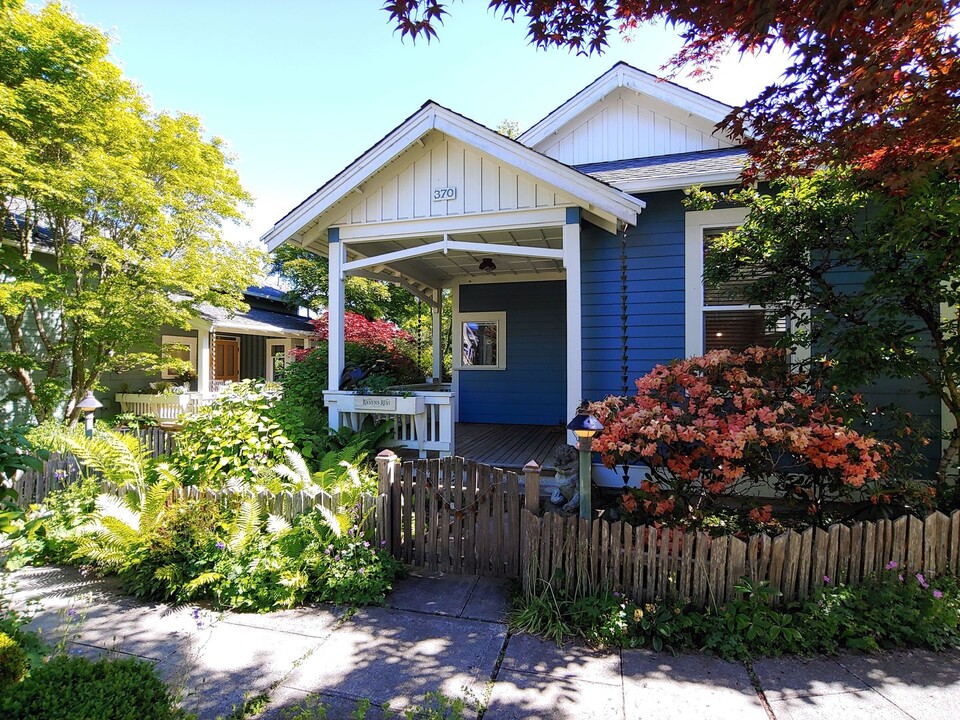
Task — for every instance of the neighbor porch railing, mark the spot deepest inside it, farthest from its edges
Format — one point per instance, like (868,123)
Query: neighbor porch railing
(168,407)
(423,415)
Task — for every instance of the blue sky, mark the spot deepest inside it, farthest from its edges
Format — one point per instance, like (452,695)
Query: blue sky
(300,88)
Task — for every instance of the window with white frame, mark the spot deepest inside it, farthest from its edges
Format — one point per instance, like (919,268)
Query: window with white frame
(718,317)
(483,341)
(178,347)
(278,353)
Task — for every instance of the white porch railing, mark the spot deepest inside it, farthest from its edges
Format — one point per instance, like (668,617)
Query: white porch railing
(168,407)
(423,420)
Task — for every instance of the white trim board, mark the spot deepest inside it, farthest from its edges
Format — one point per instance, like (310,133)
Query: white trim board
(597,198)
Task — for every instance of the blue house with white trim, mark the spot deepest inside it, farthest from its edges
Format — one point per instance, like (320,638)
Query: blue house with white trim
(550,244)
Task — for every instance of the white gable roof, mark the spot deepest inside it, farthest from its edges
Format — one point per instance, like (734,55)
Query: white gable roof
(627,113)
(607,205)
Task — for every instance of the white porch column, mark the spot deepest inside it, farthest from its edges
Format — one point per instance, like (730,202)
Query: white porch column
(335,302)
(571,262)
(437,341)
(203,361)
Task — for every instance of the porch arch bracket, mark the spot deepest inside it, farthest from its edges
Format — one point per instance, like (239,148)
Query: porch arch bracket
(446,245)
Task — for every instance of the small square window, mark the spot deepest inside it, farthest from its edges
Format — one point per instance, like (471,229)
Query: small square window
(177,347)
(483,341)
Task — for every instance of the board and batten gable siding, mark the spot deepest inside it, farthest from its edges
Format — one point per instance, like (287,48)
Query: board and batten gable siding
(532,388)
(655,297)
(253,357)
(403,190)
(626,124)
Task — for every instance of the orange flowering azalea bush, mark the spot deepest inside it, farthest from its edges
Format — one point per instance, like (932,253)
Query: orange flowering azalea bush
(728,423)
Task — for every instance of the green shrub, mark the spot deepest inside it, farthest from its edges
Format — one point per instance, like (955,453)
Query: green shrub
(13,660)
(60,514)
(230,441)
(98,690)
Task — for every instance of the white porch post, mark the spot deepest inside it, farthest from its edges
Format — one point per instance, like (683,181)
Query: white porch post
(437,341)
(335,302)
(203,362)
(571,262)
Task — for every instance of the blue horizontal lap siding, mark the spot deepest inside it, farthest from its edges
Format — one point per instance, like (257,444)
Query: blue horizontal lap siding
(655,296)
(532,390)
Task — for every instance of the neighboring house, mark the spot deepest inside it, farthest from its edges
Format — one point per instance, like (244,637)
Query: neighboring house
(536,238)
(222,347)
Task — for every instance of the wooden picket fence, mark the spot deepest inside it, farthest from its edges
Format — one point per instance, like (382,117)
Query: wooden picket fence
(58,470)
(284,504)
(648,563)
(458,516)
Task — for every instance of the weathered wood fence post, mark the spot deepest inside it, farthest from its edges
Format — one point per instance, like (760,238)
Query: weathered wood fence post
(530,528)
(386,473)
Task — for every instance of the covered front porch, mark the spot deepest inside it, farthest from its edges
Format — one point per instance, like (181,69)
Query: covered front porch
(449,209)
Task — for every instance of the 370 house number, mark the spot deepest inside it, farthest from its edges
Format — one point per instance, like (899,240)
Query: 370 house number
(447,193)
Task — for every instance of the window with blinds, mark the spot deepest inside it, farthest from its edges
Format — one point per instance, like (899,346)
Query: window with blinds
(729,321)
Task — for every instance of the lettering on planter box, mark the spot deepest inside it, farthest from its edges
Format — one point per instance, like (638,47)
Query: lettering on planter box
(375,403)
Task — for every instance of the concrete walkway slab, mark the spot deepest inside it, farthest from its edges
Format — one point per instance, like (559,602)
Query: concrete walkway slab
(687,687)
(923,683)
(396,656)
(526,696)
(434,593)
(314,621)
(220,666)
(785,678)
(848,706)
(573,661)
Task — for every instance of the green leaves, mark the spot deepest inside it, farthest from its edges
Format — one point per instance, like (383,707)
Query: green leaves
(114,212)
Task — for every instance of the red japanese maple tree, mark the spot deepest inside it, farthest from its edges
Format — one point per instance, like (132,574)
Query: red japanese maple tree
(358,329)
(873,84)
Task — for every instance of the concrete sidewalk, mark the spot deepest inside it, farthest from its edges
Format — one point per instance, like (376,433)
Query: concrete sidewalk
(448,633)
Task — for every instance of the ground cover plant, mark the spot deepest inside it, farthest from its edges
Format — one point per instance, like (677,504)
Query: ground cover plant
(889,610)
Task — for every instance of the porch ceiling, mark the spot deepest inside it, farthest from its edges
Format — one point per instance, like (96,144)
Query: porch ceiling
(439,269)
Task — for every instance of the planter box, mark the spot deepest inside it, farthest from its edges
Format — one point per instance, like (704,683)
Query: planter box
(381,404)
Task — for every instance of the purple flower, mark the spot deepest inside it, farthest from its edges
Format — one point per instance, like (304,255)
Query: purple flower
(826,579)
(221,545)
(366,544)
(922,580)
(938,595)
(892,565)
(383,543)
(71,612)
(900,578)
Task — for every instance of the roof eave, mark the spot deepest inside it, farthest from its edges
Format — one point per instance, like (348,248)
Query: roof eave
(624,75)
(599,196)
(677,183)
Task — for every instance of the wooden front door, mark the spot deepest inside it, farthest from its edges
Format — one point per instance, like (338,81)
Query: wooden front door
(227,365)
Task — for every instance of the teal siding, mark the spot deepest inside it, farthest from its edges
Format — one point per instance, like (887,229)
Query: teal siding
(532,390)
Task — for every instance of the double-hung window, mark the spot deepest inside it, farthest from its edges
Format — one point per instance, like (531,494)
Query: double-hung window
(718,317)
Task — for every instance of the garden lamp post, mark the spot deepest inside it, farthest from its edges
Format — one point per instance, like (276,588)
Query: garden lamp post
(89,405)
(585,427)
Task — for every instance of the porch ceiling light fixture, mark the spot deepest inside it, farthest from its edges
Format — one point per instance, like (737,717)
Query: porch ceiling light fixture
(585,427)
(88,406)
(488,265)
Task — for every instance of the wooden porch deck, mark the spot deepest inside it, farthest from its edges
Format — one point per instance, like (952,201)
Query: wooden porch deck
(509,446)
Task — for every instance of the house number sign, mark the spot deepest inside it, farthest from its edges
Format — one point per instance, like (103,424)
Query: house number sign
(447,193)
